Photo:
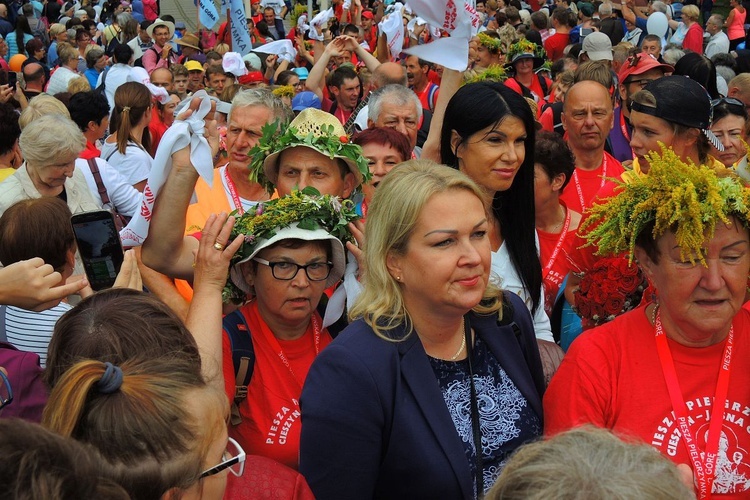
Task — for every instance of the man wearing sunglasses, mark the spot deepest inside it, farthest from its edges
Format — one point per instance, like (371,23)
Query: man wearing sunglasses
(637,72)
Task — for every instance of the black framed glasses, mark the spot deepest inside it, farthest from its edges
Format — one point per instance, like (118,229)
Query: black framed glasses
(641,83)
(6,392)
(283,270)
(232,459)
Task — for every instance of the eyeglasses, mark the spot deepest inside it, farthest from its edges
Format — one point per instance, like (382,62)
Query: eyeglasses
(286,271)
(729,101)
(641,83)
(232,459)
(300,84)
(6,392)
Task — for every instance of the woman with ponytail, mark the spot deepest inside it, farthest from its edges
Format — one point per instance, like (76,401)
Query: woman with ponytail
(127,148)
(158,427)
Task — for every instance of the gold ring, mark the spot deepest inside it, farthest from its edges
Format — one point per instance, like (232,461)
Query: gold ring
(218,246)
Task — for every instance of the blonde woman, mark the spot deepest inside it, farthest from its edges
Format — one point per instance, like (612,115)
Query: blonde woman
(437,357)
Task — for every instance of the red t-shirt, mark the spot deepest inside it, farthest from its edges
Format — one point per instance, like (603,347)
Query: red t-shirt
(270,413)
(612,378)
(536,87)
(555,44)
(581,191)
(560,265)
(339,113)
(156,129)
(91,151)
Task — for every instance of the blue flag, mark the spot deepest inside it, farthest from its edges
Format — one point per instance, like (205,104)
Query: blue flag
(240,36)
(207,13)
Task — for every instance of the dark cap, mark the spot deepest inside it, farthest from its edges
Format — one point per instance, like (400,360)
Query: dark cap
(678,100)
(682,101)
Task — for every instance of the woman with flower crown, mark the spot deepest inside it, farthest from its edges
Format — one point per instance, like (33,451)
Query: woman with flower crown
(659,118)
(672,372)
(293,251)
(525,57)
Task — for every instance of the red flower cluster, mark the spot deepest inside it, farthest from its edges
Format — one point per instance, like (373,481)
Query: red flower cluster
(610,288)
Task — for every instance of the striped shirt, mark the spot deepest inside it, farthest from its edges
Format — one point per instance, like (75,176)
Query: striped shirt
(31,331)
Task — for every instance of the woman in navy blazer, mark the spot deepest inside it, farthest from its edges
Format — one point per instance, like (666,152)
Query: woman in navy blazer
(439,364)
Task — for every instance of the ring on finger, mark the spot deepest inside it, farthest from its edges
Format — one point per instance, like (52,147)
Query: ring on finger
(218,246)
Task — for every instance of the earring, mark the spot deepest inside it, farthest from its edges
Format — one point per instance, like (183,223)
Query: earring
(398,278)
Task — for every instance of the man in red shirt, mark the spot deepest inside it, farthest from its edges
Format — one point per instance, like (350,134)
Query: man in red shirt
(371,31)
(419,82)
(588,116)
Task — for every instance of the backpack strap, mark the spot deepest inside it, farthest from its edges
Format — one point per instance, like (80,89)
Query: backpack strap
(3,333)
(243,358)
(557,119)
(431,96)
(101,87)
(543,84)
(100,187)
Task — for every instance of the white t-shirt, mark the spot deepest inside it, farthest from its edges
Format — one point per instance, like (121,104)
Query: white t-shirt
(116,76)
(58,82)
(123,195)
(509,280)
(134,165)
(276,5)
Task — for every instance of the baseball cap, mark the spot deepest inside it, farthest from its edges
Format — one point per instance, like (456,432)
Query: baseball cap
(179,25)
(641,63)
(597,46)
(251,77)
(305,100)
(302,73)
(366,14)
(671,94)
(193,66)
(586,8)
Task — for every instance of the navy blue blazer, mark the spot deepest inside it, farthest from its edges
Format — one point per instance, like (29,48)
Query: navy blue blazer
(374,421)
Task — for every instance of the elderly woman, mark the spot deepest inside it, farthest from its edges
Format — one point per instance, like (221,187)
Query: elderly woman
(68,70)
(439,362)
(694,36)
(729,124)
(662,371)
(96,61)
(49,145)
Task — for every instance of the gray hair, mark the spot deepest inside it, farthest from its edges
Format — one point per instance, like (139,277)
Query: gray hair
(92,55)
(51,139)
(394,94)
(589,463)
(261,97)
(659,6)
(605,9)
(672,53)
(122,18)
(725,72)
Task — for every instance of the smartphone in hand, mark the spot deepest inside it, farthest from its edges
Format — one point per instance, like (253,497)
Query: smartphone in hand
(99,245)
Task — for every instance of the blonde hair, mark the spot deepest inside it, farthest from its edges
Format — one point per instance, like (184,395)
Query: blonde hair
(51,139)
(41,105)
(66,52)
(79,84)
(691,11)
(398,203)
(221,48)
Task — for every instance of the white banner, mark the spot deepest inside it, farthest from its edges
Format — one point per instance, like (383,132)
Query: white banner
(455,17)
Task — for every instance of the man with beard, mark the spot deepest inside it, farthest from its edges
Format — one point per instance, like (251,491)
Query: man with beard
(636,73)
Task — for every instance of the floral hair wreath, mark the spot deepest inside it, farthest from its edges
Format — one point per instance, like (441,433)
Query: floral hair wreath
(327,143)
(307,208)
(675,196)
(494,72)
(524,46)
(283,91)
(490,42)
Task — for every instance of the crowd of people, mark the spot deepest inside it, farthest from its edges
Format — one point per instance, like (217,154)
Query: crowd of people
(351,271)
